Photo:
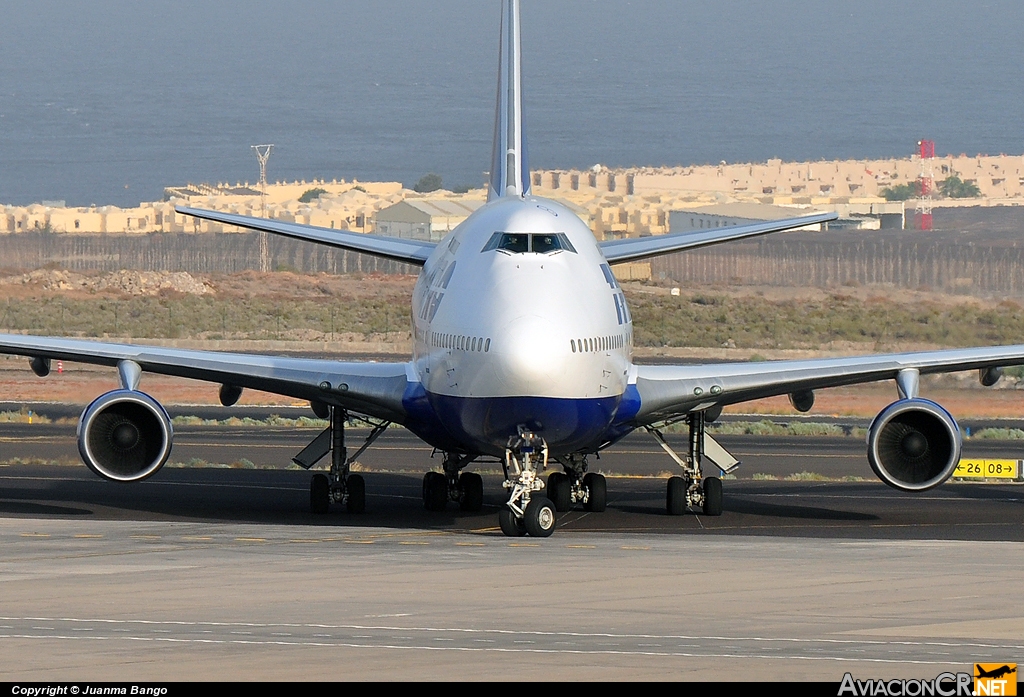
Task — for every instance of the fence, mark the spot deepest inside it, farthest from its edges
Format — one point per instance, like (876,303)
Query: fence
(934,265)
(979,269)
(205,253)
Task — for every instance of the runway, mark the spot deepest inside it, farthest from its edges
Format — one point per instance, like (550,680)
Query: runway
(220,573)
(172,601)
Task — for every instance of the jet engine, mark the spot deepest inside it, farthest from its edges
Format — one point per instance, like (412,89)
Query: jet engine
(913,445)
(124,436)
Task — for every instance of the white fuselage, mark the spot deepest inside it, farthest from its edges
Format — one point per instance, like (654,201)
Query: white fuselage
(540,320)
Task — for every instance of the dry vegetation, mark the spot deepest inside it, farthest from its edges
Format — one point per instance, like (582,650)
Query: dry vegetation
(289,306)
(819,319)
(240,306)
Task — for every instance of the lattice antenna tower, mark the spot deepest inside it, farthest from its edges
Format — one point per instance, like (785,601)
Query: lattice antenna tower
(926,180)
(263,154)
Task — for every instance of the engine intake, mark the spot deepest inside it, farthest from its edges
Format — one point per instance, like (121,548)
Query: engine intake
(914,445)
(125,436)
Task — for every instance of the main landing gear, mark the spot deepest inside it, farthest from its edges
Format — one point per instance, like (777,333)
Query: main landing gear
(576,485)
(466,488)
(339,485)
(691,490)
(527,512)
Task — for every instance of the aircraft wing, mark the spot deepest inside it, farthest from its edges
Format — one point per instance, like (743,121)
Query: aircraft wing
(395,248)
(667,391)
(374,389)
(620,251)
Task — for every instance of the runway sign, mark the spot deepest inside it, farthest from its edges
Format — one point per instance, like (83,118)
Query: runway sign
(971,468)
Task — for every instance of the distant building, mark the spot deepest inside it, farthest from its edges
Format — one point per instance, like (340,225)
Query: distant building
(424,219)
(730,214)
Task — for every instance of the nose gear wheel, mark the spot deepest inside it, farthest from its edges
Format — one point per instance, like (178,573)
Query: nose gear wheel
(526,511)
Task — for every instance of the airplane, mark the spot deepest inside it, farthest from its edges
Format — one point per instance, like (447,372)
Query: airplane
(996,673)
(522,351)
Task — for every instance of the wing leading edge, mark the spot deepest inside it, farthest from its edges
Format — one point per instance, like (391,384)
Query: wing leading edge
(395,248)
(621,251)
(667,391)
(374,389)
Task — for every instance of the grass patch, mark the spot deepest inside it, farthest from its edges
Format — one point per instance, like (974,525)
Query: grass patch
(766,427)
(708,320)
(175,316)
(22,417)
(270,421)
(998,434)
(703,319)
(806,477)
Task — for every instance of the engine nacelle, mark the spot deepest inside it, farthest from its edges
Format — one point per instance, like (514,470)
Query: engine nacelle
(125,436)
(914,444)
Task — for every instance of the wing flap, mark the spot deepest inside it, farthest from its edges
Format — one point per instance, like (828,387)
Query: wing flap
(621,251)
(375,389)
(667,391)
(395,248)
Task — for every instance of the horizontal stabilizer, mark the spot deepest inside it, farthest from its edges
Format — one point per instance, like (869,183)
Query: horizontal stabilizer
(394,248)
(620,251)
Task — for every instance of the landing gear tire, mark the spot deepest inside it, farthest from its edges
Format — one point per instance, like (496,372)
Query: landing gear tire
(560,491)
(435,491)
(712,496)
(319,494)
(539,517)
(356,486)
(597,500)
(510,525)
(676,498)
(472,486)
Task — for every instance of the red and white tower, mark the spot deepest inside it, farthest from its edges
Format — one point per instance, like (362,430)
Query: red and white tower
(926,184)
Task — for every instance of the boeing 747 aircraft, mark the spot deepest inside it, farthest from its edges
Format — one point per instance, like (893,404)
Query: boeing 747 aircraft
(522,351)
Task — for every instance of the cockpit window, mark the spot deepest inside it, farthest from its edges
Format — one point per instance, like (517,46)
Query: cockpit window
(519,243)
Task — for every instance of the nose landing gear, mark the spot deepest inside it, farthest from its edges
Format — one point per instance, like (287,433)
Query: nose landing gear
(526,512)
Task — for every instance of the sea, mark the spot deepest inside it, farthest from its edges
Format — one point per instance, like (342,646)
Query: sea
(109,101)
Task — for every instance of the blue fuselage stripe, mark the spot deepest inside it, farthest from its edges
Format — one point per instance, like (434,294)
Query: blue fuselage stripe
(484,424)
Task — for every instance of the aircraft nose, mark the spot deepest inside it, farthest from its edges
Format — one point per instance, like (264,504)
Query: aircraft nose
(532,357)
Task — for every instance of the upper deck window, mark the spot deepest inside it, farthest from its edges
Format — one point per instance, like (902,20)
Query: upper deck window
(519,243)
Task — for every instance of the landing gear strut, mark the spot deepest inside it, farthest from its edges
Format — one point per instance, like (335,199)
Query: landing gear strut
(576,485)
(526,512)
(466,488)
(339,485)
(691,490)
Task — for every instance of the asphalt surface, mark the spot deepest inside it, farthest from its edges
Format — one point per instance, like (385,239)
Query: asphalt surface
(393,467)
(223,573)
(90,599)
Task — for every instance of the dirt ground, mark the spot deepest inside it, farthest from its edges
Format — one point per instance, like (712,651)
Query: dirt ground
(18,283)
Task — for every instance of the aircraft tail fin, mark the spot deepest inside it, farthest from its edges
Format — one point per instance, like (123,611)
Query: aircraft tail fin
(510,173)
